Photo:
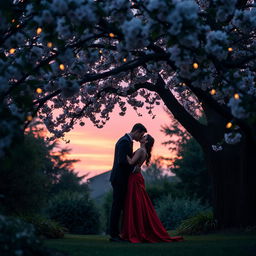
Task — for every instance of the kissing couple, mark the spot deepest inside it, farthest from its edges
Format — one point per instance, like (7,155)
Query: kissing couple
(140,223)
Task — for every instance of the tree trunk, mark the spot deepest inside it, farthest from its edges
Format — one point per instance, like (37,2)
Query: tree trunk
(233,177)
(232,170)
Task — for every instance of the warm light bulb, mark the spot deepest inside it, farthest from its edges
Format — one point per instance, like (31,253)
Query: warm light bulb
(212,91)
(13,20)
(195,65)
(39,90)
(124,59)
(62,67)
(18,26)
(49,44)
(100,51)
(229,125)
(12,51)
(230,49)
(111,34)
(29,118)
(39,31)
(236,96)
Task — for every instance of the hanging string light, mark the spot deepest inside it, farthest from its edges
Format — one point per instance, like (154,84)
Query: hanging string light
(195,65)
(124,59)
(61,66)
(49,44)
(111,34)
(212,91)
(39,90)
(236,96)
(230,49)
(39,31)
(229,125)
(12,51)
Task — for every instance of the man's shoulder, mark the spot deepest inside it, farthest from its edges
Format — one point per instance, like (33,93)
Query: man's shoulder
(123,139)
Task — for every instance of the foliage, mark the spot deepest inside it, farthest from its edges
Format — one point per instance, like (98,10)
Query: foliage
(70,181)
(202,223)
(190,168)
(189,164)
(84,58)
(18,238)
(161,189)
(172,211)
(51,60)
(23,184)
(34,170)
(45,227)
(76,212)
(176,134)
(106,208)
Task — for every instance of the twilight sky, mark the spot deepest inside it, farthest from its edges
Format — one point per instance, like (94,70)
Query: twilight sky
(95,147)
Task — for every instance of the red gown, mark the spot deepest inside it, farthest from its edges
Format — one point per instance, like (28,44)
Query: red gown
(140,221)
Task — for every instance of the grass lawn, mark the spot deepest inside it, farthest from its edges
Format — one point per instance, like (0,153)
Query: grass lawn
(221,244)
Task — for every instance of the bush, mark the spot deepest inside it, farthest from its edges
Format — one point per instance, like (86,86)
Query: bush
(161,189)
(199,224)
(173,211)
(18,238)
(23,184)
(106,208)
(76,212)
(45,227)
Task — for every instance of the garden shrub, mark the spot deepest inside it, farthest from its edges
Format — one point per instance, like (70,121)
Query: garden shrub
(203,222)
(45,227)
(106,208)
(161,189)
(75,211)
(172,211)
(18,238)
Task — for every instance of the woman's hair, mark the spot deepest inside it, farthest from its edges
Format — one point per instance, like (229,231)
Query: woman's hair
(149,144)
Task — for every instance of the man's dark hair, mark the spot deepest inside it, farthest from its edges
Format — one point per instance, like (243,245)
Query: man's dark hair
(139,127)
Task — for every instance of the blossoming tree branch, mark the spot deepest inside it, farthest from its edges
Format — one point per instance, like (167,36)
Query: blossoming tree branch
(84,57)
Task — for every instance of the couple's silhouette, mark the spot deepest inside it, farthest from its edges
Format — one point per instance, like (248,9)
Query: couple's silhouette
(140,223)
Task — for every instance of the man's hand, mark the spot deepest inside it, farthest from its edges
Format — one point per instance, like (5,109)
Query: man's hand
(136,169)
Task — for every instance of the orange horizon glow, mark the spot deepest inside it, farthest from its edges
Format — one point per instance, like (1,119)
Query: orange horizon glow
(94,147)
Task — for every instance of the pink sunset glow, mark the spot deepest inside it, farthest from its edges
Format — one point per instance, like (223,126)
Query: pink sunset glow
(95,147)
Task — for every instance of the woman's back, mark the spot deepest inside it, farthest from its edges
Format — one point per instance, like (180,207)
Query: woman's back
(142,156)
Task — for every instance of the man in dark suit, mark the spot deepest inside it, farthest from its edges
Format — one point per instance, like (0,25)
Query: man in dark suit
(119,176)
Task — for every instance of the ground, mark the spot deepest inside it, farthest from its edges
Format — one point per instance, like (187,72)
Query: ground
(218,244)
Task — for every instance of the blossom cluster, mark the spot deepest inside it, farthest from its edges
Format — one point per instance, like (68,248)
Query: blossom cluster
(84,57)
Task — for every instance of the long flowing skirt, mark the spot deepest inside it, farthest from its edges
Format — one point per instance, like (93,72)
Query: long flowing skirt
(140,221)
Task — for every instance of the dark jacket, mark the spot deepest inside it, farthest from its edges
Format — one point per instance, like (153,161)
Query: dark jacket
(121,168)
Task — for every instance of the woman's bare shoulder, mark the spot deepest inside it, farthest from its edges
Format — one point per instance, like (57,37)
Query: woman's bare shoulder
(141,151)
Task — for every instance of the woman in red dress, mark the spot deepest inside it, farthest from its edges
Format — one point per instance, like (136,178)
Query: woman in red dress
(140,221)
